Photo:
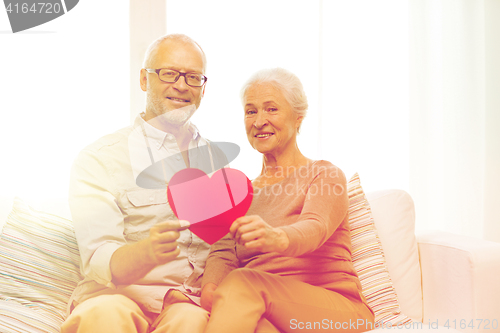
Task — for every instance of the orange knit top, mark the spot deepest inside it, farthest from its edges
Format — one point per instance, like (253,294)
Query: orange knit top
(310,205)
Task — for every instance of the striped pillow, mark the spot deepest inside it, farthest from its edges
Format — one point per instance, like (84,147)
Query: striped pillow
(39,268)
(369,261)
(15,318)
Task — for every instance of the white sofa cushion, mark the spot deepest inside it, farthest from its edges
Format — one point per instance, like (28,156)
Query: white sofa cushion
(6,203)
(57,206)
(394,216)
(468,297)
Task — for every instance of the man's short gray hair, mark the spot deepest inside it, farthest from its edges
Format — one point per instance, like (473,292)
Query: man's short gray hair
(284,80)
(151,51)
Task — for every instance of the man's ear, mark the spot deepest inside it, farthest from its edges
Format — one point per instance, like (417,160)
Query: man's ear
(144,79)
(203,91)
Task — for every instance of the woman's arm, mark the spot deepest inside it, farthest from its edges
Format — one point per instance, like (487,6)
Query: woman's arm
(207,296)
(221,261)
(324,209)
(255,234)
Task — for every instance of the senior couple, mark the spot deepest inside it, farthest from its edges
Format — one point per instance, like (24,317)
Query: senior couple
(286,262)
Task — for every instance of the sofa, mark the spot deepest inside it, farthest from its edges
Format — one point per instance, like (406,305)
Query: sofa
(433,282)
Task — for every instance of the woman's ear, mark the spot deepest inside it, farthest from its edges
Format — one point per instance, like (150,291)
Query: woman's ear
(298,122)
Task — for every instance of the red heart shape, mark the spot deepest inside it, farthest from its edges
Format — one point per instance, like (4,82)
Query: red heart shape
(210,204)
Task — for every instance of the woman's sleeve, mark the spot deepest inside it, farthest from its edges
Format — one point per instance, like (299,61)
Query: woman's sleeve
(325,208)
(221,261)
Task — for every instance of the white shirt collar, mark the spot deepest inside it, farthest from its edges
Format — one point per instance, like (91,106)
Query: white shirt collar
(160,137)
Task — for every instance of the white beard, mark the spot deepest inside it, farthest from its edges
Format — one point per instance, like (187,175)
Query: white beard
(176,117)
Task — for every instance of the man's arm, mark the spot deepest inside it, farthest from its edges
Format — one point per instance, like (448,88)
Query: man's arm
(133,261)
(99,227)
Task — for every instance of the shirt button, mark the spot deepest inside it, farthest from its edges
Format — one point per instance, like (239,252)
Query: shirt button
(151,199)
(178,158)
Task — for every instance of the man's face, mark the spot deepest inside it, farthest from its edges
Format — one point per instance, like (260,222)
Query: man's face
(176,102)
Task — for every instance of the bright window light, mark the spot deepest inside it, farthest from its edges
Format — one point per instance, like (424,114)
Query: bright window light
(63,85)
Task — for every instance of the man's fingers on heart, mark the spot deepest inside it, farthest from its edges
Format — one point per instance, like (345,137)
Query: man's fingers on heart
(169,225)
(166,257)
(167,247)
(169,236)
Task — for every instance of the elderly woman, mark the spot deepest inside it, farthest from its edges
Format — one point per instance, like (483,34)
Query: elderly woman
(286,265)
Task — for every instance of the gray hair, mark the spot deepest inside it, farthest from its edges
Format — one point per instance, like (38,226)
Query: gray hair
(284,80)
(151,51)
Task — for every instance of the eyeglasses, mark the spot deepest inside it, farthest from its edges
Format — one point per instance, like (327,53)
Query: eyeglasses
(171,76)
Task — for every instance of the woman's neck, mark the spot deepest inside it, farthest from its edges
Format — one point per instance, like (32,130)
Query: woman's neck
(281,166)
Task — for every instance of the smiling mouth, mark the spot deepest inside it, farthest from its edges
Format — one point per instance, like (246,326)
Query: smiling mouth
(178,99)
(263,135)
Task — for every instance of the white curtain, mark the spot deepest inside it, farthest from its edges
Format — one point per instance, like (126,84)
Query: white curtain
(455,115)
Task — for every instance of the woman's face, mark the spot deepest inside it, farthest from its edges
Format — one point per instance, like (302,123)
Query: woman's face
(270,122)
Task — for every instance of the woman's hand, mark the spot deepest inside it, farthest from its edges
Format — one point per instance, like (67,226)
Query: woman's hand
(255,234)
(207,296)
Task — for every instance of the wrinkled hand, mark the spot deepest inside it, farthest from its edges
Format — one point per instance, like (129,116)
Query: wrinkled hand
(207,296)
(255,234)
(163,241)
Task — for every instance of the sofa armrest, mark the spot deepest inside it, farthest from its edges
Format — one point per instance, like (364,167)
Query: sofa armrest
(460,277)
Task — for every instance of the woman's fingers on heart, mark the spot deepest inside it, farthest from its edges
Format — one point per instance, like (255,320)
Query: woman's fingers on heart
(252,235)
(237,225)
(244,225)
(251,244)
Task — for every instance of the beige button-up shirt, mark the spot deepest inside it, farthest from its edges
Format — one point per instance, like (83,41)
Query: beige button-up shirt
(110,210)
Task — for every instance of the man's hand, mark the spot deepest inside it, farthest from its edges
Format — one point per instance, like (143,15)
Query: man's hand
(163,241)
(133,261)
(255,234)
(207,296)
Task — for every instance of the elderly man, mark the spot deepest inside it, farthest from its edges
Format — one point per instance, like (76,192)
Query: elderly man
(142,268)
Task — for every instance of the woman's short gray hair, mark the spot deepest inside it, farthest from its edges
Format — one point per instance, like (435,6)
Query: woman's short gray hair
(284,80)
